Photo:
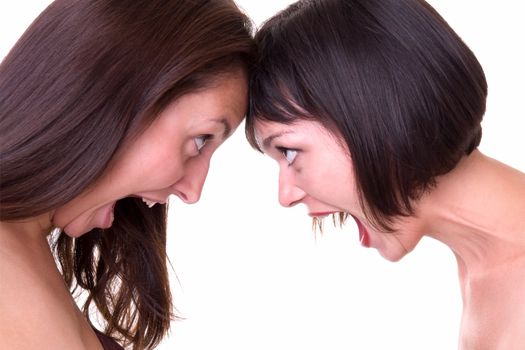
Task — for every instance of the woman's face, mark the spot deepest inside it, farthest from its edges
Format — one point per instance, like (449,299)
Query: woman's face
(315,169)
(171,156)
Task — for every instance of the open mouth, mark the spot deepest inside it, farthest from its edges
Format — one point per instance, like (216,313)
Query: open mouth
(364,236)
(149,202)
(321,214)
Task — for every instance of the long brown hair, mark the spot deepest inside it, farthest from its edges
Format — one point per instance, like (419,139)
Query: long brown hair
(83,78)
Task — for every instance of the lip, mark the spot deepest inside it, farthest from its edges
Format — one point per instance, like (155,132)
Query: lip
(321,214)
(364,236)
(159,201)
(108,217)
(150,199)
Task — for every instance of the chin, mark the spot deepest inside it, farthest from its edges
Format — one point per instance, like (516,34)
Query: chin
(76,229)
(74,233)
(393,256)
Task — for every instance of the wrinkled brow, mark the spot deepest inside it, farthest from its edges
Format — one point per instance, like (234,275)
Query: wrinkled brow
(227,127)
(267,142)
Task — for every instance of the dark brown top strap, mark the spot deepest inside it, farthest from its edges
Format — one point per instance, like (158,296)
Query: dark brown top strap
(107,342)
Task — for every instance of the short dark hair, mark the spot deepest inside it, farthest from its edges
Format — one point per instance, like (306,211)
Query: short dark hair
(389,77)
(85,77)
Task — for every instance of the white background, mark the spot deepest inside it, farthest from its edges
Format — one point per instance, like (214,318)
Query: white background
(252,275)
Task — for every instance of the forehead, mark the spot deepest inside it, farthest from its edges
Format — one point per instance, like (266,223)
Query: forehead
(268,131)
(229,92)
(264,127)
(226,98)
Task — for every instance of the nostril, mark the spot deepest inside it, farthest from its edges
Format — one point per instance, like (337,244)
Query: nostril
(294,203)
(181,196)
(290,204)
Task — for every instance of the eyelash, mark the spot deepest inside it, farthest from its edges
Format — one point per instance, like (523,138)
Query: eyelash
(206,138)
(284,150)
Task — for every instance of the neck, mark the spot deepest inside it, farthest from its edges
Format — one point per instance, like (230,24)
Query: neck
(26,231)
(478,211)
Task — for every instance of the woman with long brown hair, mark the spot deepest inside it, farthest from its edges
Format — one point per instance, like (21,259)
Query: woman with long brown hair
(106,108)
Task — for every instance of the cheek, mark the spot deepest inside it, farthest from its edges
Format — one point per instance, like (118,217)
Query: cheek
(160,158)
(164,170)
(143,171)
(161,145)
(337,182)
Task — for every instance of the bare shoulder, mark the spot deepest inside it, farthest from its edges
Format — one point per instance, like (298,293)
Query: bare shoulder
(19,334)
(494,310)
(36,309)
(30,321)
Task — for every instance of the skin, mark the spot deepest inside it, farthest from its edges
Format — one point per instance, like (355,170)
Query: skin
(486,236)
(171,156)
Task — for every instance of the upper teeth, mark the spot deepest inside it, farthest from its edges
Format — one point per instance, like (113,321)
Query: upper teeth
(149,203)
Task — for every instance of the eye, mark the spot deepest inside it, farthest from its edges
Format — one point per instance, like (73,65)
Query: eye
(200,141)
(289,154)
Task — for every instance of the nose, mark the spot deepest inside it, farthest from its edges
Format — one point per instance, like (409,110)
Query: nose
(289,193)
(189,187)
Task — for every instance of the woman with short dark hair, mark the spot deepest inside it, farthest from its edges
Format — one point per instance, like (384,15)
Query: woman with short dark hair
(107,107)
(373,110)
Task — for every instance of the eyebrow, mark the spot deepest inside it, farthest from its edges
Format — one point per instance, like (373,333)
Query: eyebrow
(225,125)
(268,141)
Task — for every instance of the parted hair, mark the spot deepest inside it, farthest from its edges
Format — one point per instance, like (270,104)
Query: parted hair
(390,78)
(86,76)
